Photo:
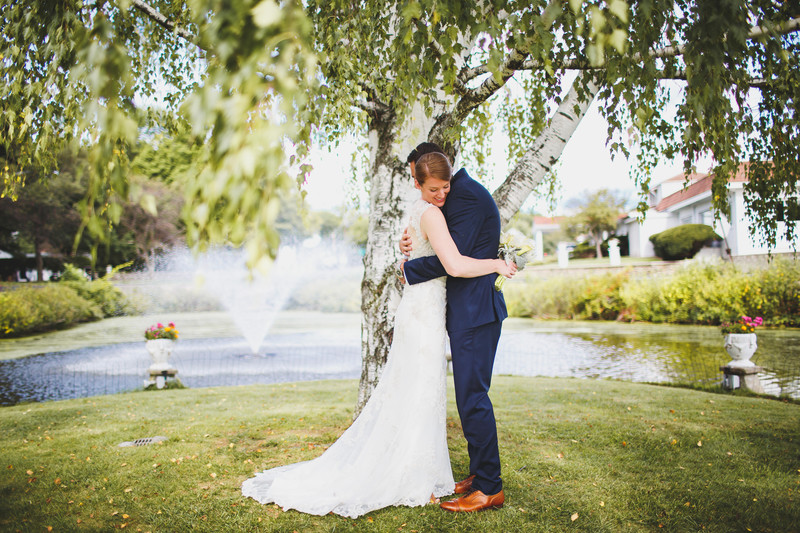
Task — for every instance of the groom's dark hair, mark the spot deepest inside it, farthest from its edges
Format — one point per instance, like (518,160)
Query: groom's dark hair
(422,149)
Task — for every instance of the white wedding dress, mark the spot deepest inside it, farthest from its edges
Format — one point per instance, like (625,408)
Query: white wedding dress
(395,452)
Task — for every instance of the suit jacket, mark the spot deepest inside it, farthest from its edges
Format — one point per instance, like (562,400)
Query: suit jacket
(474,223)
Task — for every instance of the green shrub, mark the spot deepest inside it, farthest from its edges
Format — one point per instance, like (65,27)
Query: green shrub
(682,242)
(528,295)
(110,300)
(41,308)
(693,293)
(600,298)
(776,293)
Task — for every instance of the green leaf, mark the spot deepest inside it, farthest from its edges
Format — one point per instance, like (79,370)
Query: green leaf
(266,13)
(619,8)
(148,203)
(619,40)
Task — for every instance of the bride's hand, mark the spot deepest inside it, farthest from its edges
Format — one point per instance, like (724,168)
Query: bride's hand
(507,270)
(405,243)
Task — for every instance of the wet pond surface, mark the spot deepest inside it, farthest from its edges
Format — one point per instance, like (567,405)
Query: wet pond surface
(631,352)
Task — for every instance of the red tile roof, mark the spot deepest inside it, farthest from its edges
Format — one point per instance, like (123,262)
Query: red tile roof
(700,183)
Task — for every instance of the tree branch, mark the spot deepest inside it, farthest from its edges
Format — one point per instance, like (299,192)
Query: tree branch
(545,151)
(475,97)
(372,104)
(164,22)
(790,26)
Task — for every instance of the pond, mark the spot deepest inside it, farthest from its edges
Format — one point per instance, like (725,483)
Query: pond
(631,352)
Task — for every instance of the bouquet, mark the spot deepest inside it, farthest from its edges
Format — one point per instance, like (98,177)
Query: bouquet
(514,248)
(160,331)
(743,325)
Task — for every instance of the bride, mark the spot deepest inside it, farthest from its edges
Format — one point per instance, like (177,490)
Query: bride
(395,452)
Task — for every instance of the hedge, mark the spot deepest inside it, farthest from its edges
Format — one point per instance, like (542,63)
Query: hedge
(682,242)
(694,293)
(33,309)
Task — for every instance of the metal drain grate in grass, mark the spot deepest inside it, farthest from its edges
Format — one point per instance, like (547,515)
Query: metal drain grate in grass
(142,442)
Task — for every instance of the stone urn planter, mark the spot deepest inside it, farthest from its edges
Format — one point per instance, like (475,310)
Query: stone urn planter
(741,347)
(160,350)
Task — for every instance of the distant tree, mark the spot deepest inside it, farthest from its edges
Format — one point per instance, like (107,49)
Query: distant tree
(358,230)
(598,213)
(167,157)
(327,223)
(45,212)
(152,231)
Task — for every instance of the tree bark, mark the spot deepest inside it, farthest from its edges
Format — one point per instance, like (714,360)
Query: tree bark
(390,191)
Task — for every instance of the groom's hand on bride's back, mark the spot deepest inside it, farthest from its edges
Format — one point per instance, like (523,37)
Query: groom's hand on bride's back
(405,243)
(401,273)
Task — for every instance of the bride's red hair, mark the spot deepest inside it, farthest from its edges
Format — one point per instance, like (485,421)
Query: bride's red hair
(433,165)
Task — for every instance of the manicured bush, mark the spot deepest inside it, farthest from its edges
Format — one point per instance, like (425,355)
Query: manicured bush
(32,309)
(682,242)
(110,300)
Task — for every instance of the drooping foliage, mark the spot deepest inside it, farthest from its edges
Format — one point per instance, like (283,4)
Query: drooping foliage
(76,73)
(243,75)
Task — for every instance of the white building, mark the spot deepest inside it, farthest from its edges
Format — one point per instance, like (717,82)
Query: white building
(673,205)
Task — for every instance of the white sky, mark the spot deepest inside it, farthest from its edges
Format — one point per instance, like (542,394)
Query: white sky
(585,165)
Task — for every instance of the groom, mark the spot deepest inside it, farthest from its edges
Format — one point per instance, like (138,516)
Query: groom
(475,311)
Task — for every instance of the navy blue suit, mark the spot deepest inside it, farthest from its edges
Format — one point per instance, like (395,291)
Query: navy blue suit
(475,311)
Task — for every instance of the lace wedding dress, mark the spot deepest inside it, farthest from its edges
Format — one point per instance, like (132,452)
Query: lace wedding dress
(395,452)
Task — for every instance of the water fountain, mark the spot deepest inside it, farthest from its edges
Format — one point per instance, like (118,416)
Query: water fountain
(252,299)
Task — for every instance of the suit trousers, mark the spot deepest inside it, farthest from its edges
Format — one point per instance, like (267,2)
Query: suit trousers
(473,352)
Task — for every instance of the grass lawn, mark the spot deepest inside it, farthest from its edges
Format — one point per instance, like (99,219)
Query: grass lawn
(578,455)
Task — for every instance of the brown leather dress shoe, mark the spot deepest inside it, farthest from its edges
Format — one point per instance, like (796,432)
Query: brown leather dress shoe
(464,486)
(474,501)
